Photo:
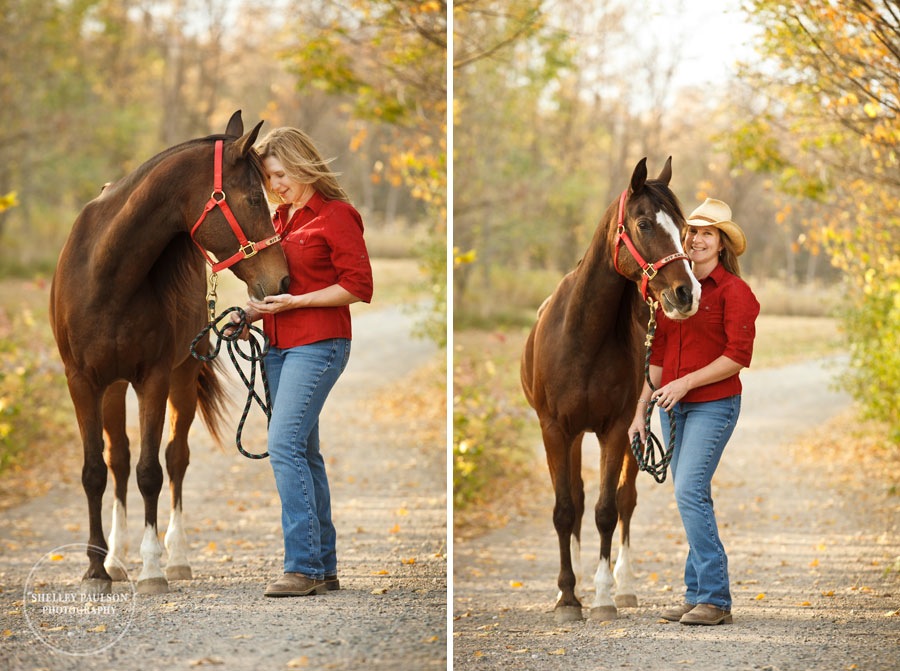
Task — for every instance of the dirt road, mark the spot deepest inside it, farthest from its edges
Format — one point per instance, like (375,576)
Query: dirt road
(813,567)
(389,495)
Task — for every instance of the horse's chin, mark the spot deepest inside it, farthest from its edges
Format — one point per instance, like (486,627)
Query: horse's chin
(677,312)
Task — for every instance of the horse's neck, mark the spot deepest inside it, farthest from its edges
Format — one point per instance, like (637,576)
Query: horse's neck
(597,290)
(141,230)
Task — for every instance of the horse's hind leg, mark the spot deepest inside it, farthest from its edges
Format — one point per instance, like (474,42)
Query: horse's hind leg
(626,500)
(606,516)
(182,407)
(558,447)
(87,402)
(152,393)
(118,459)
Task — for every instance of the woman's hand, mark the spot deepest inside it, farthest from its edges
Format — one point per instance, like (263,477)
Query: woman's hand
(638,424)
(271,305)
(667,396)
(252,316)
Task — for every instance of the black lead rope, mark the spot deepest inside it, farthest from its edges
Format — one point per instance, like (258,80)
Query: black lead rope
(255,357)
(651,457)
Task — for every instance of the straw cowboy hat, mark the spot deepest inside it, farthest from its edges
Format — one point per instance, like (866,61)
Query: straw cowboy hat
(714,212)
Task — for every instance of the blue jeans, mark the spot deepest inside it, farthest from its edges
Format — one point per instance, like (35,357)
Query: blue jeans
(300,379)
(702,430)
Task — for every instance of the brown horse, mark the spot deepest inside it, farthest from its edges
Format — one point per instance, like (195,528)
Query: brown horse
(126,301)
(581,371)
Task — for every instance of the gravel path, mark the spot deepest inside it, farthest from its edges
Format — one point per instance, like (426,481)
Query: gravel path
(389,496)
(813,566)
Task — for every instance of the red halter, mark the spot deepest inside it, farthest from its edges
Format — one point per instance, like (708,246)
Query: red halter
(649,269)
(217,199)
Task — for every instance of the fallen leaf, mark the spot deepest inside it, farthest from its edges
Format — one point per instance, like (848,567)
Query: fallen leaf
(7,633)
(402,512)
(828,593)
(298,662)
(56,557)
(411,560)
(381,572)
(806,603)
(558,651)
(99,629)
(515,584)
(394,529)
(760,596)
(814,563)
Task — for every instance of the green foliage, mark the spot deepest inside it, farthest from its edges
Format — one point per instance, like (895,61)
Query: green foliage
(872,325)
(492,442)
(33,405)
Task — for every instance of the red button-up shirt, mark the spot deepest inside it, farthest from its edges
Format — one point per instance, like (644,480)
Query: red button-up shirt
(324,245)
(725,324)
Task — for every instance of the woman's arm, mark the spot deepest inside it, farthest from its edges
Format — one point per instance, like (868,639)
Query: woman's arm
(718,369)
(329,297)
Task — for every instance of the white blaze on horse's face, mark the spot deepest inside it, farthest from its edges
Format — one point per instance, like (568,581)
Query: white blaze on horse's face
(665,223)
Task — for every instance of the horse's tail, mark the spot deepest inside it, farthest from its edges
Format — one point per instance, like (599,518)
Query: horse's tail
(212,399)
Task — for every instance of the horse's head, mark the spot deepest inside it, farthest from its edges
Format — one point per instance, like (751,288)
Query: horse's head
(648,245)
(236,225)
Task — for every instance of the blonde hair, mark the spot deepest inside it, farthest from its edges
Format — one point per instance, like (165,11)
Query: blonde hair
(302,162)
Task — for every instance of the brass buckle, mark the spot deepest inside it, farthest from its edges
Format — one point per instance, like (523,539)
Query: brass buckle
(252,247)
(650,275)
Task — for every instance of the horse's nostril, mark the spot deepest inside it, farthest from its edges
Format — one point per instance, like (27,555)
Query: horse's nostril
(285,284)
(683,293)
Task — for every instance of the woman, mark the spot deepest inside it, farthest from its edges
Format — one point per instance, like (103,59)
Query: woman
(309,332)
(694,366)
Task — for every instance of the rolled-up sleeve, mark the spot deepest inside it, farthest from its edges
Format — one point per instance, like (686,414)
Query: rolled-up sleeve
(349,255)
(741,311)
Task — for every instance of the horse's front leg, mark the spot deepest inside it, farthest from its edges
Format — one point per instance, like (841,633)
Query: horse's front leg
(118,458)
(152,394)
(559,460)
(606,516)
(182,408)
(88,410)
(626,501)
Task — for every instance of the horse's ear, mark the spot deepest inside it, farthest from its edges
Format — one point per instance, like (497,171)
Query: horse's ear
(639,176)
(235,125)
(666,173)
(243,145)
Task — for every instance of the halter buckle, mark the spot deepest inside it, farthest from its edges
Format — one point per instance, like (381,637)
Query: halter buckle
(650,272)
(252,247)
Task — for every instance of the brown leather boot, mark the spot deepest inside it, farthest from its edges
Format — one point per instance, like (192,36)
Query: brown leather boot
(674,614)
(707,614)
(295,584)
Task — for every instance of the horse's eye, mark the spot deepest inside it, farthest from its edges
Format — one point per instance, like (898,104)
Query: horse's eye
(644,225)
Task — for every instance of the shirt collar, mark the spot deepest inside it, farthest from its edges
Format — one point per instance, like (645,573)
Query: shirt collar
(315,204)
(717,275)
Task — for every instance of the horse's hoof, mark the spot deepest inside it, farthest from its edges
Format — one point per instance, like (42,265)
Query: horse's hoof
(563,614)
(604,613)
(626,601)
(117,573)
(179,573)
(96,586)
(153,586)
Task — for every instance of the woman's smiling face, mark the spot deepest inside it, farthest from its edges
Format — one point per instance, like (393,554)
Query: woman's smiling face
(703,243)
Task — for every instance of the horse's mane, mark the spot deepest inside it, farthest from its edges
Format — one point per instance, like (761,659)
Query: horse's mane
(128,182)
